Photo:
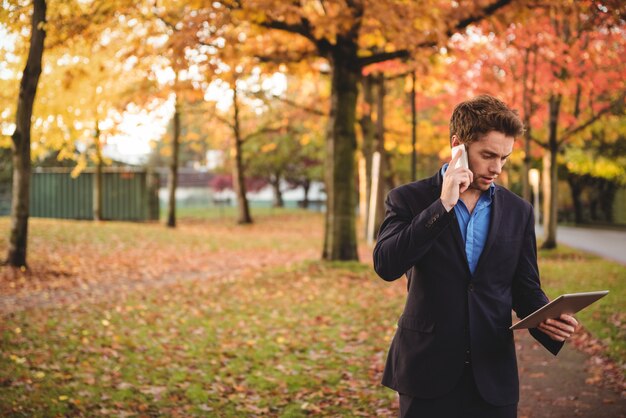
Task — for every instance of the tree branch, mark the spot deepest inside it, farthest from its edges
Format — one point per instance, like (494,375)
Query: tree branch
(264,130)
(613,106)
(485,12)
(299,56)
(223,120)
(462,24)
(297,106)
(303,28)
(539,142)
(383,56)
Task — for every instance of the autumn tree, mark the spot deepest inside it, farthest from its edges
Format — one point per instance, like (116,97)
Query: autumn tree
(59,24)
(596,168)
(340,32)
(288,156)
(84,95)
(21,138)
(588,84)
(561,64)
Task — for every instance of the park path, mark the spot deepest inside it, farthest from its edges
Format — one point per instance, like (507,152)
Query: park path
(556,386)
(610,244)
(225,267)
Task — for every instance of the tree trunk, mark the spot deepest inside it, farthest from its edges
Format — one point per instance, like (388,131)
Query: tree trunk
(306,185)
(278,194)
(173,175)
(340,231)
(550,183)
(413,98)
(20,205)
(383,176)
(526,165)
(607,198)
(594,199)
(576,188)
(369,133)
(97,184)
(526,105)
(238,174)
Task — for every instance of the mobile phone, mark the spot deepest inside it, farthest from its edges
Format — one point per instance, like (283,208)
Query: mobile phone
(462,162)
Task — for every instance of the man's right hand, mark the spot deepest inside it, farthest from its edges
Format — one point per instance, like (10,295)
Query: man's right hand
(455,182)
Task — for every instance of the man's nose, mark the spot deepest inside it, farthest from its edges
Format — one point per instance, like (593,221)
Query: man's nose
(496,167)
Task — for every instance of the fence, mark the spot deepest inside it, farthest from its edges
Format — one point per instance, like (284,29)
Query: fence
(127,194)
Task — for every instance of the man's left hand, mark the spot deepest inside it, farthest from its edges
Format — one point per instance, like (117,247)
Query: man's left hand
(559,329)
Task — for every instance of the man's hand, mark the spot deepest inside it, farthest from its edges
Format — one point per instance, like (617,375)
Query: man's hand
(455,182)
(559,329)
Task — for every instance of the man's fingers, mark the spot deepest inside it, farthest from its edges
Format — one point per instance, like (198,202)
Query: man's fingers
(563,326)
(570,320)
(550,332)
(558,330)
(465,180)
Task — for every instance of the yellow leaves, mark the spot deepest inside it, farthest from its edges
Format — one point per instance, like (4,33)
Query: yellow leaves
(17,360)
(581,163)
(81,164)
(105,323)
(305,139)
(268,147)
(405,149)
(63,398)
(192,136)
(40,375)
(18,330)
(374,39)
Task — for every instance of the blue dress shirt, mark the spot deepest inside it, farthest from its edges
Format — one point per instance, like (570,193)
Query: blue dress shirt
(475,226)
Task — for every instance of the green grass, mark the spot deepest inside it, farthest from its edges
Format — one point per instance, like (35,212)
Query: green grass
(273,343)
(227,212)
(294,340)
(565,270)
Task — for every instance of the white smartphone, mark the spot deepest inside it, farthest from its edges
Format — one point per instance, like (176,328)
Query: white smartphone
(462,162)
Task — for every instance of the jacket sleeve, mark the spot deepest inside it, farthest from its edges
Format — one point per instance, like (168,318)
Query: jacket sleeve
(403,238)
(527,293)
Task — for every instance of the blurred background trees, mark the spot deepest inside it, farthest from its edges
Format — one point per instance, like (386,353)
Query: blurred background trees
(299,95)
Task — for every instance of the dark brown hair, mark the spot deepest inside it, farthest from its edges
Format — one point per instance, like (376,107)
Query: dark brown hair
(478,116)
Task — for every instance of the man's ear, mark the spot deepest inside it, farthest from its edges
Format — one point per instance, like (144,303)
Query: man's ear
(455,141)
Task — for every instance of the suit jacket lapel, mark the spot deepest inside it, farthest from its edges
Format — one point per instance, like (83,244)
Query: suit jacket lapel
(494,224)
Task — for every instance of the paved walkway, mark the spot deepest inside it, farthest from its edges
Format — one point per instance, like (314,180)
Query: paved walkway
(609,244)
(556,387)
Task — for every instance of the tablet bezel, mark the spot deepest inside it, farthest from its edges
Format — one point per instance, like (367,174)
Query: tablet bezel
(568,303)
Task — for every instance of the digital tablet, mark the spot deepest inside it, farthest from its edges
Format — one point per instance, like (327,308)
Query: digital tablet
(564,304)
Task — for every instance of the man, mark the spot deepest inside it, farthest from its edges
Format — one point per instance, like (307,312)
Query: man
(469,252)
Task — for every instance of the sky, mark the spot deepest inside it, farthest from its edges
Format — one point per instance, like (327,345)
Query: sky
(139,127)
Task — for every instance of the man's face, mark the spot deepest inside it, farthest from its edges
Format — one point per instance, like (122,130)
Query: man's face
(487,156)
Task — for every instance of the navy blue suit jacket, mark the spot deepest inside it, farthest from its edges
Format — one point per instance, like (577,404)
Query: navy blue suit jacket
(448,310)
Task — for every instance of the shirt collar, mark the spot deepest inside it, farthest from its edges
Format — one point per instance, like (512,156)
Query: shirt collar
(492,186)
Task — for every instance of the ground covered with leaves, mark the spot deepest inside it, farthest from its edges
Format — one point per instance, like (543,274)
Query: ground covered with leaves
(225,320)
